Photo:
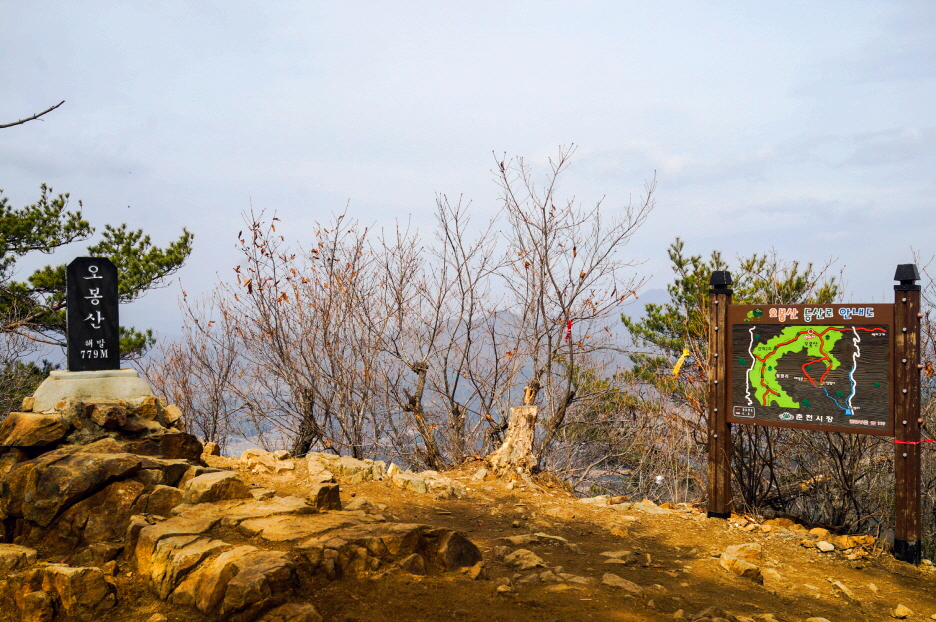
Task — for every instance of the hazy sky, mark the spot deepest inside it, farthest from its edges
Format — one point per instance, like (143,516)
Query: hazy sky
(800,126)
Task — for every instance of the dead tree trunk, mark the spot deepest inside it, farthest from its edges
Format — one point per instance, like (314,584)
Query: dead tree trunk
(516,452)
(430,454)
(310,432)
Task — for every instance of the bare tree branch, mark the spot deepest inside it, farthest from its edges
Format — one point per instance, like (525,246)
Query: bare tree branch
(34,117)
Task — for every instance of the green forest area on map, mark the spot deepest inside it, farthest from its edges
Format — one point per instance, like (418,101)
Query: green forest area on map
(834,375)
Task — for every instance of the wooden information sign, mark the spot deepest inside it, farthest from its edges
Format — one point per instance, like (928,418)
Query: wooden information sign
(852,368)
(92,319)
(819,367)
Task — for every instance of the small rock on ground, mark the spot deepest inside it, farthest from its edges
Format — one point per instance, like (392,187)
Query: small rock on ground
(524,559)
(847,594)
(616,581)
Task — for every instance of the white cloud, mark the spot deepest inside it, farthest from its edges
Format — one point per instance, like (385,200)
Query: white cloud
(758,119)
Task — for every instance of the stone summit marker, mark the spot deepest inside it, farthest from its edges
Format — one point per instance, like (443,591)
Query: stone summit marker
(92,314)
(93,341)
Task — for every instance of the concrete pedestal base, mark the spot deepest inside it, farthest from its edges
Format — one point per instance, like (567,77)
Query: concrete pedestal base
(115,384)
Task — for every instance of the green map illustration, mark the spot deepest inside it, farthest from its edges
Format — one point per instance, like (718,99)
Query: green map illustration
(825,375)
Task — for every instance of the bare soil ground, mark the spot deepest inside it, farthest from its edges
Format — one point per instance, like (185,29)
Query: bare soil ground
(684,571)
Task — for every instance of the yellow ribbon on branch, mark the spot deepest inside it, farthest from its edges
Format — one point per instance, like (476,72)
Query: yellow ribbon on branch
(679,363)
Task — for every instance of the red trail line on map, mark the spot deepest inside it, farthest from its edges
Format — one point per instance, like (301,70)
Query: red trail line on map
(825,356)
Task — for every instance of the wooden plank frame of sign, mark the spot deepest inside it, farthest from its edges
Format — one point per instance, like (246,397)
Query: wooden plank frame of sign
(907,316)
(719,430)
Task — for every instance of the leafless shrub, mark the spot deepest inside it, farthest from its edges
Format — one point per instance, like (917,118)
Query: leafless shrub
(388,343)
(202,374)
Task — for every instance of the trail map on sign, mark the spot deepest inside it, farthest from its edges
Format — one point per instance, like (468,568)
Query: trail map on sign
(829,375)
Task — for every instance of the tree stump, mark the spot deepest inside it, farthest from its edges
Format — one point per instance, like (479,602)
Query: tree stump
(516,452)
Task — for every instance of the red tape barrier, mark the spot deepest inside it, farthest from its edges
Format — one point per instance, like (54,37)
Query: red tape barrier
(925,440)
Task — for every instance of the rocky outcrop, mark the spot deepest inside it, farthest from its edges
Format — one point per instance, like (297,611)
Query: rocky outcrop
(323,467)
(429,482)
(94,483)
(72,475)
(73,421)
(71,479)
(73,496)
(40,490)
(186,561)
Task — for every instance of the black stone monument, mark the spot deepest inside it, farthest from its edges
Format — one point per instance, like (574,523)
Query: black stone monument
(92,321)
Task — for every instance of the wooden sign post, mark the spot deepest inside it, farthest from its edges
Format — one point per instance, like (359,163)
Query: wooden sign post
(907,528)
(719,430)
(846,368)
(92,321)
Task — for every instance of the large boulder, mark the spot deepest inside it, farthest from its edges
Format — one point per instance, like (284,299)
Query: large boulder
(104,516)
(78,590)
(324,497)
(218,486)
(41,489)
(32,430)
(176,556)
(14,558)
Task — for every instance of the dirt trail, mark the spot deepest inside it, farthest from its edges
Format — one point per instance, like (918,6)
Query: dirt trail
(672,555)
